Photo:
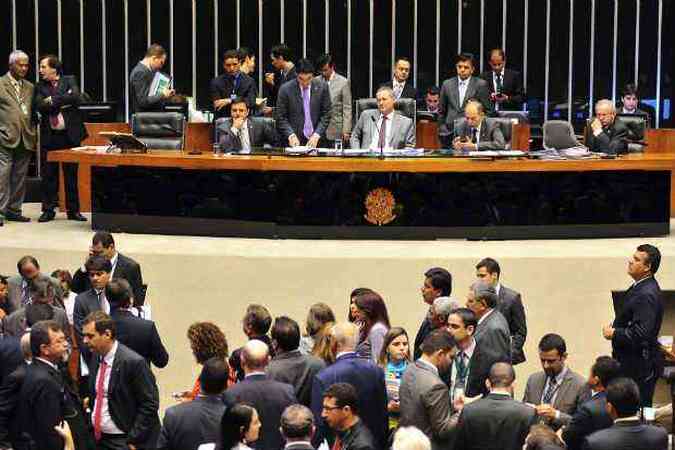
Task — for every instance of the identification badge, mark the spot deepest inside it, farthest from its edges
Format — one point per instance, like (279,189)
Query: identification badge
(24,109)
(233,96)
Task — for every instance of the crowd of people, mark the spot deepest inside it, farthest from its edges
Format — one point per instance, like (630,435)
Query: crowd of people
(77,352)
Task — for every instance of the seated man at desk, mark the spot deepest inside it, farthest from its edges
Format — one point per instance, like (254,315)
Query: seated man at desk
(477,132)
(383,128)
(243,133)
(605,133)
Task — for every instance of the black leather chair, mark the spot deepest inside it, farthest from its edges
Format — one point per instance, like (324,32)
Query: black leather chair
(637,125)
(505,124)
(406,106)
(218,124)
(159,130)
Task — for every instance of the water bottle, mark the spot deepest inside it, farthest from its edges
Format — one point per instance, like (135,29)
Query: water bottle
(338,146)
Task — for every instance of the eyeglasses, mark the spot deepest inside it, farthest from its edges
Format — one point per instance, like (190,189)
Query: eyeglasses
(331,408)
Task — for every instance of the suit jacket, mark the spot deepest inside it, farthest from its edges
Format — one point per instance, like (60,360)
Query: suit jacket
(572,392)
(85,304)
(126,268)
(10,423)
(279,80)
(15,324)
(424,330)
(15,126)
(425,404)
(494,336)
(11,356)
(479,368)
(628,435)
(269,398)
(15,290)
(402,133)
(290,110)
(141,336)
(358,437)
(260,132)
(491,136)
(612,140)
(224,86)
(450,108)
(188,425)
(133,398)
(511,306)
(298,370)
(590,417)
(65,100)
(368,379)
(409,91)
(637,329)
(341,107)
(140,80)
(512,85)
(494,422)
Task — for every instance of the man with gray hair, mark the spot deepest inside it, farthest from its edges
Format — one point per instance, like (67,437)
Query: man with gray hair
(440,310)
(19,137)
(605,133)
(492,332)
(410,438)
(297,427)
(383,128)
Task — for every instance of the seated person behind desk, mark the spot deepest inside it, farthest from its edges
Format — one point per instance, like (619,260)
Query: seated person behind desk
(243,132)
(477,132)
(605,134)
(232,84)
(383,128)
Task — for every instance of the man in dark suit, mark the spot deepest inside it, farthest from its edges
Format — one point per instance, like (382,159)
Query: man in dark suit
(289,365)
(245,132)
(556,391)
(455,92)
(231,85)
(188,425)
(492,331)
(506,85)
(509,303)
(366,377)
(11,356)
(636,327)
(268,397)
(605,133)
(628,431)
(103,244)
(138,334)
(425,402)
(140,81)
(399,84)
(57,98)
(18,286)
(303,108)
(123,392)
(256,324)
(496,421)
(630,100)
(297,427)
(341,412)
(592,415)
(10,389)
(476,132)
(437,283)
(284,70)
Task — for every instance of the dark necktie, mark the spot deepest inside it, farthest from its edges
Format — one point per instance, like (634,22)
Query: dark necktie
(383,133)
(460,366)
(474,135)
(550,392)
(499,83)
(54,118)
(25,297)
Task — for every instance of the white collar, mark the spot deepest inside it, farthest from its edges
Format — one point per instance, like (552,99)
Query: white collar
(388,116)
(258,372)
(470,349)
(344,353)
(641,280)
(109,358)
(627,419)
(498,287)
(501,73)
(463,82)
(485,316)
(560,377)
(48,362)
(113,261)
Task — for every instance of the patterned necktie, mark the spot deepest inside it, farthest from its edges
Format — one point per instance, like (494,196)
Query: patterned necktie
(25,296)
(474,135)
(460,366)
(308,129)
(383,133)
(398,90)
(244,139)
(499,83)
(462,92)
(54,118)
(550,392)
(100,394)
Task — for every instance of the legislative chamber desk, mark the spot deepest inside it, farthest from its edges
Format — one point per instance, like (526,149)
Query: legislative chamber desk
(276,196)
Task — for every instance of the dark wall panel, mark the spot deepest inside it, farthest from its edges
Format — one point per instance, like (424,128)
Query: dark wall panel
(448,44)
(316,28)
(48,26)
(93,43)
(492,37)
(5,32)
(115,44)
(405,10)
(293,26)
(360,48)
(536,57)
(338,34)
(381,43)
(559,60)
(205,48)
(182,47)
(25,33)
(70,35)
(426,44)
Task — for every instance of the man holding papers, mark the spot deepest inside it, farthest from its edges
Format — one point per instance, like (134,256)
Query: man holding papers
(149,89)
(384,128)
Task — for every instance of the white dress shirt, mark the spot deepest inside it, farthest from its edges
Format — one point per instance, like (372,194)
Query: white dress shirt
(375,142)
(107,424)
(244,137)
(469,354)
(113,263)
(559,379)
(463,86)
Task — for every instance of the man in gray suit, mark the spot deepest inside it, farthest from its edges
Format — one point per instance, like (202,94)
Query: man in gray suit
(492,332)
(242,132)
(383,128)
(18,286)
(424,397)
(455,92)
(18,136)
(556,391)
(340,125)
(496,421)
(42,293)
(476,132)
(303,108)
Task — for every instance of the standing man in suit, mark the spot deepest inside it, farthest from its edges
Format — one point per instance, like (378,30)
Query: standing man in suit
(628,431)
(437,283)
(341,412)
(424,397)
(476,132)
(383,128)
(399,83)
(340,125)
(366,377)
(140,80)
(138,334)
(268,397)
(297,427)
(496,421)
(284,70)
(592,415)
(432,99)
(188,425)
(630,100)
(506,85)
(509,303)
(18,138)
(556,391)
(303,108)
(455,92)
(492,331)
(57,98)
(231,85)
(636,327)
(124,396)
(605,133)
(289,365)
(244,132)
(10,390)
(18,286)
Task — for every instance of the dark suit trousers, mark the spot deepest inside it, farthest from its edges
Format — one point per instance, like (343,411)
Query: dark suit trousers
(112,442)
(50,176)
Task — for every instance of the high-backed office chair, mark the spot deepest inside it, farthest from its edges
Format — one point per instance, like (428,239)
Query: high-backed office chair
(505,125)
(406,106)
(159,130)
(218,125)
(559,134)
(637,125)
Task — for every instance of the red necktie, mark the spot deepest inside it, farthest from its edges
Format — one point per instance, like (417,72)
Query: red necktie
(337,445)
(100,386)
(383,134)
(54,118)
